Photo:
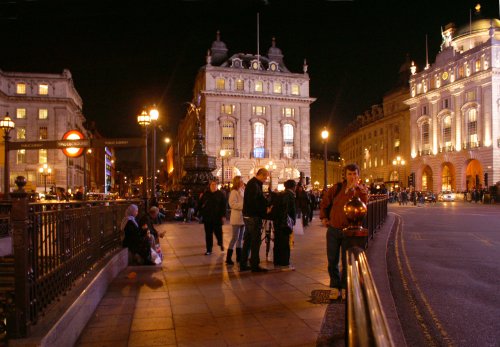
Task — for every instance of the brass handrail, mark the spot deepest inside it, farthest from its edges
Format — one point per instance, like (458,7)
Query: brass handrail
(366,324)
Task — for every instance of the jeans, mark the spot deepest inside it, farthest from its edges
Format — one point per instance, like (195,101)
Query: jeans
(334,239)
(252,241)
(238,232)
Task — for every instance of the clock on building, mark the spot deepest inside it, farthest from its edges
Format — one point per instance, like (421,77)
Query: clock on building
(445,76)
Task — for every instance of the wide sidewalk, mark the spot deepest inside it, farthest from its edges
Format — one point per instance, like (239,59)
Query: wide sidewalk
(197,300)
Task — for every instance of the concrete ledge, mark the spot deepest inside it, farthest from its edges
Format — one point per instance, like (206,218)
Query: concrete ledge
(67,329)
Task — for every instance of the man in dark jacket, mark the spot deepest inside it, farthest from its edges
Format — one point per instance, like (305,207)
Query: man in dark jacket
(254,210)
(283,212)
(213,211)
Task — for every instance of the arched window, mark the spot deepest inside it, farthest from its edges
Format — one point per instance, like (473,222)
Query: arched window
(258,140)
(288,141)
(228,135)
(447,132)
(426,145)
(472,137)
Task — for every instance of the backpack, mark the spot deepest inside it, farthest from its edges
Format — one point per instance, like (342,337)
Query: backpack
(329,207)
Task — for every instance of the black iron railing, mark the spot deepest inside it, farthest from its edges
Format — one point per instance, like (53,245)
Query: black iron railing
(54,244)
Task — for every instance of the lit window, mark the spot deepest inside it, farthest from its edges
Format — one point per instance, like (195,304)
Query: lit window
(461,71)
(21,113)
(277,87)
(21,88)
(240,85)
(21,156)
(295,89)
(447,130)
(21,133)
(258,140)
(43,133)
(288,112)
(42,156)
(43,113)
(259,86)
(425,136)
(258,110)
(288,141)
(43,89)
(220,84)
(227,109)
(478,65)
(228,135)
(472,127)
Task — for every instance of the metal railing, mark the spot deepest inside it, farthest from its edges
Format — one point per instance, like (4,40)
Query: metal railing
(376,213)
(366,324)
(54,244)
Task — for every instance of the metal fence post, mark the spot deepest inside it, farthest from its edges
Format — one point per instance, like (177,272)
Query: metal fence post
(17,327)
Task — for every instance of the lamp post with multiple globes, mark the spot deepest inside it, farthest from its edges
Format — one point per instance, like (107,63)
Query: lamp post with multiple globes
(324,136)
(154,115)
(270,167)
(45,171)
(144,120)
(7,125)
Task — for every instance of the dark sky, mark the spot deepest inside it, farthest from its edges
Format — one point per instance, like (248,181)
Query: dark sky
(127,54)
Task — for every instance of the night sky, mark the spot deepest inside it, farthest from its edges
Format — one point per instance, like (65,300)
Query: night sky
(127,54)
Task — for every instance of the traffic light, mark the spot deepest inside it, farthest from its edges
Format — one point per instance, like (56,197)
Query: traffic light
(486,179)
(411,180)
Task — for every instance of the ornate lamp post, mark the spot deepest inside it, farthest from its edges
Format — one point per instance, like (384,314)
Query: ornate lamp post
(324,136)
(398,162)
(144,120)
(154,115)
(45,171)
(223,154)
(7,125)
(270,167)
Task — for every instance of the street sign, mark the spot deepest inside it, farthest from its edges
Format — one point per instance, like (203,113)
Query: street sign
(86,143)
(70,151)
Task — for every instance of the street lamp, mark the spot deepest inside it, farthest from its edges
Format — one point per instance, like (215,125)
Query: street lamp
(398,162)
(7,125)
(324,136)
(45,171)
(223,153)
(154,115)
(270,168)
(144,120)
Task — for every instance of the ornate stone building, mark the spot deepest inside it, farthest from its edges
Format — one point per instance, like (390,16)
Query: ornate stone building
(455,115)
(44,107)
(253,109)
(379,140)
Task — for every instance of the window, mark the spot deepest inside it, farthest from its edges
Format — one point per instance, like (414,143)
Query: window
(288,112)
(472,128)
(258,140)
(227,109)
(21,156)
(478,65)
(43,133)
(240,85)
(228,135)
(295,89)
(43,113)
(277,87)
(42,156)
(446,103)
(288,141)
(447,131)
(258,86)
(425,136)
(21,113)
(461,72)
(21,88)
(258,110)
(220,84)
(396,145)
(470,95)
(21,133)
(43,89)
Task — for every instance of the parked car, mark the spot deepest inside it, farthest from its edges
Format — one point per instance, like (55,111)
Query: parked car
(446,196)
(430,197)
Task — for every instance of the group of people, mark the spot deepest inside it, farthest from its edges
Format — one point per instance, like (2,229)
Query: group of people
(140,236)
(249,207)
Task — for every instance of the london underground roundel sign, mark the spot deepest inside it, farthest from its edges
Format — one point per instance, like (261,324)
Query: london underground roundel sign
(73,152)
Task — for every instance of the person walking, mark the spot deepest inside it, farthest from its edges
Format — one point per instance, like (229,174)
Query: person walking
(213,212)
(333,203)
(236,219)
(283,219)
(254,210)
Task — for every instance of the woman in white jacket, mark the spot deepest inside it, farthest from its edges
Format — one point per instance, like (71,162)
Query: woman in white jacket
(236,219)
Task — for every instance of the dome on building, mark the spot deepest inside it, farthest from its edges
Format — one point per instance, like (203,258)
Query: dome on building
(218,50)
(477,26)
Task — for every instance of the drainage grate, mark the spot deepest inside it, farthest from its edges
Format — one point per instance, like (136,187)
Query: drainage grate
(320,296)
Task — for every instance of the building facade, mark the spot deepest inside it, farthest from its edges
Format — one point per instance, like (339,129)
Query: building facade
(43,107)
(379,140)
(254,112)
(333,170)
(455,111)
